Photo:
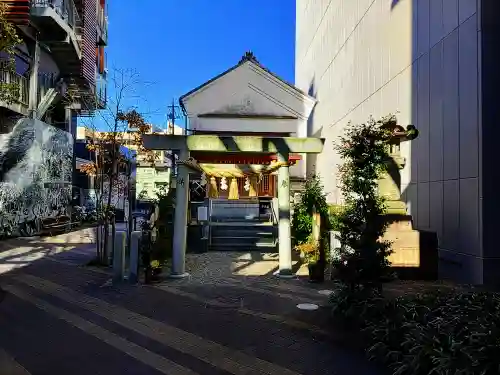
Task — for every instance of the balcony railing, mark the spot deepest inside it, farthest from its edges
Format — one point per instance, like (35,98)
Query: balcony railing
(7,77)
(102,22)
(46,81)
(101,90)
(65,8)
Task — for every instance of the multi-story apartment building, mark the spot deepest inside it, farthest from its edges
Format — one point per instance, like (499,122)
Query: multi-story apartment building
(434,64)
(61,73)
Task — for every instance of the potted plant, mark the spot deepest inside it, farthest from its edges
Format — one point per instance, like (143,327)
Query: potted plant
(155,269)
(310,252)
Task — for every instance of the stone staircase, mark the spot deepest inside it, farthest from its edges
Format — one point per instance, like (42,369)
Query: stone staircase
(244,236)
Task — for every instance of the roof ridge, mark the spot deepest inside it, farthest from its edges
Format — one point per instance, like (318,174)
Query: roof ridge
(247,57)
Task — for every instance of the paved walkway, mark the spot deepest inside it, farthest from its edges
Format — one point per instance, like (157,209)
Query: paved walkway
(60,317)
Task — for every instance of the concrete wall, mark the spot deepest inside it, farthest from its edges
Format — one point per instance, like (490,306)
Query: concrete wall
(419,58)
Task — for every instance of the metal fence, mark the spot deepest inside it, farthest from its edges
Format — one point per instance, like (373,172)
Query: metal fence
(233,210)
(8,77)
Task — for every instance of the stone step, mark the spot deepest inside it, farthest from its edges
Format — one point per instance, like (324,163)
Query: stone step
(241,247)
(242,223)
(242,232)
(257,241)
(230,231)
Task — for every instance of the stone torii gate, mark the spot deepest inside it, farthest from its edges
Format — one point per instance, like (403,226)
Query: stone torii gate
(281,146)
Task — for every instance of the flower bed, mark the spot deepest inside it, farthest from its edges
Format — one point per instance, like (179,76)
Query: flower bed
(443,331)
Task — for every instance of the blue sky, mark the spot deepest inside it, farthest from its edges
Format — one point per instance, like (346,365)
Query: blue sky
(176,45)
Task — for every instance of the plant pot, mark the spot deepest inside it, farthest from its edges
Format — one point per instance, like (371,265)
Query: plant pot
(316,272)
(156,271)
(155,275)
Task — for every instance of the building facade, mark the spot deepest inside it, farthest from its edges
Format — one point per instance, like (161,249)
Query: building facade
(61,74)
(148,177)
(249,99)
(430,62)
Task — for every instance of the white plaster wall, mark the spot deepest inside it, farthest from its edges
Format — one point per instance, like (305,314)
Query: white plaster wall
(251,88)
(418,58)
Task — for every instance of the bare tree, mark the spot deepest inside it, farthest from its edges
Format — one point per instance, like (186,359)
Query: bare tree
(119,124)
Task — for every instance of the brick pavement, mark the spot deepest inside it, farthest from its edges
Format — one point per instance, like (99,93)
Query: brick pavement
(59,317)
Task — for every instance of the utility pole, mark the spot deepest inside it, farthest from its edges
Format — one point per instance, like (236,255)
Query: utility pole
(174,113)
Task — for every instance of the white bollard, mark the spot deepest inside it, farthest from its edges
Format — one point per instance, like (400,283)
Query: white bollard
(133,276)
(119,256)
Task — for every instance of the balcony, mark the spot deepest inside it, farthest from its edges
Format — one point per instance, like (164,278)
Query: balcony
(20,103)
(47,94)
(60,16)
(59,26)
(102,23)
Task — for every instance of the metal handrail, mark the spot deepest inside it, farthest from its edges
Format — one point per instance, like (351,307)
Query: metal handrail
(275,218)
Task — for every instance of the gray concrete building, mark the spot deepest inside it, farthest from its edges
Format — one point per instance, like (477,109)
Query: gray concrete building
(434,64)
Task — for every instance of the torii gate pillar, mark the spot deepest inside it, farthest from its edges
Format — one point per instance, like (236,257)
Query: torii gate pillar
(284,230)
(180,219)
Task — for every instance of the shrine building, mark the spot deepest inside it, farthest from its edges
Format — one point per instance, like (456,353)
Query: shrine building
(245,100)
(240,164)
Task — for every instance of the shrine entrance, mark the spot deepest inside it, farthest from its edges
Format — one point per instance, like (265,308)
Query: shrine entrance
(237,187)
(238,167)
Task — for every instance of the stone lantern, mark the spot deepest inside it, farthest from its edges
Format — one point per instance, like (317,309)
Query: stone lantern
(405,241)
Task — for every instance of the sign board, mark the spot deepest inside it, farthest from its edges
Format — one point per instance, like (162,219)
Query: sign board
(202,213)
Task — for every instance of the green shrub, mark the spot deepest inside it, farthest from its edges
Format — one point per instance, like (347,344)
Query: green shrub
(335,213)
(161,248)
(441,333)
(312,197)
(301,224)
(362,259)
